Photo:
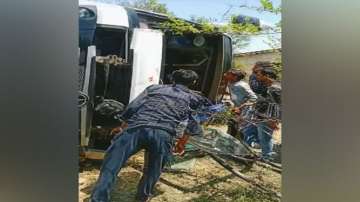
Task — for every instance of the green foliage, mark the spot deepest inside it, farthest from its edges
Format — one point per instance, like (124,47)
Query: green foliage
(178,26)
(205,25)
(267,5)
(208,27)
(234,28)
(221,118)
(149,5)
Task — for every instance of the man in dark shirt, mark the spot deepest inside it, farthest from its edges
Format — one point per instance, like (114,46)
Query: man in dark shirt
(267,111)
(263,83)
(157,117)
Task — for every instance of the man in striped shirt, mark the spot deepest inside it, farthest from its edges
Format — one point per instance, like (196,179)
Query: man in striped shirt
(154,120)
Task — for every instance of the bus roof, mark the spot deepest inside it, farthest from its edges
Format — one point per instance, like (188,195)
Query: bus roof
(108,14)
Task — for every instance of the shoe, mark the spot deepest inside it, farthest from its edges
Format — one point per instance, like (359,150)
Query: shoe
(269,158)
(255,145)
(142,199)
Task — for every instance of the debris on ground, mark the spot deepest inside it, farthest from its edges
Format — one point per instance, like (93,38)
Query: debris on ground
(197,177)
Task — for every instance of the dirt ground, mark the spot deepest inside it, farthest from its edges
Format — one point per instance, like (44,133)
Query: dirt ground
(206,181)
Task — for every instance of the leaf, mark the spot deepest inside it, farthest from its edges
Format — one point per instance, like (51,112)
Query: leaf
(267,5)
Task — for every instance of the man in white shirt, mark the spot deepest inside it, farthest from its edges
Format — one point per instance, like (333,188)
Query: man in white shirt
(240,90)
(243,98)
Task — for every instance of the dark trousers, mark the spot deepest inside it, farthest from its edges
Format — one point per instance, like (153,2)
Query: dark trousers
(233,129)
(157,145)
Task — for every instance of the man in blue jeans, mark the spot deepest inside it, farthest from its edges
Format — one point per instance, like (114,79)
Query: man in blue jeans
(241,95)
(155,119)
(261,132)
(266,116)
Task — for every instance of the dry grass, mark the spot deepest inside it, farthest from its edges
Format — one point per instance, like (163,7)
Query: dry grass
(206,182)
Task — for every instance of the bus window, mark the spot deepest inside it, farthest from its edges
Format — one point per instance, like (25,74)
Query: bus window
(110,42)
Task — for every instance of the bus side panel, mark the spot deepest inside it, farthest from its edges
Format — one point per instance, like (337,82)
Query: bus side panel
(89,90)
(147,48)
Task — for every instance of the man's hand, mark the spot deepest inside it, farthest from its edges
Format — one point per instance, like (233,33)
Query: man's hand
(274,124)
(248,103)
(236,110)
(119,129)
(179,148)
(268,81)
(116,130)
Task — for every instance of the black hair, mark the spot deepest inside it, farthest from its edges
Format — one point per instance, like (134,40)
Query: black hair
(184,77)
(238,73)
(269,72)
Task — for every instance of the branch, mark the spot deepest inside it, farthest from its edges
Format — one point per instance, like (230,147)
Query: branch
(244,177)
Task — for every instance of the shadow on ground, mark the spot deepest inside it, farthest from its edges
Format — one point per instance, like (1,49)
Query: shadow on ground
(207,181)
(125,187)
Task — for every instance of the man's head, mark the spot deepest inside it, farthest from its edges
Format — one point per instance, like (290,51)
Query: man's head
(234,75)
(261,65)
(266,76)
(184,77)
(270,73)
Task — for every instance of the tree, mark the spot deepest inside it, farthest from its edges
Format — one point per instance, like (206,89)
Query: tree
(242,39)
(265,6)
(149,5)
(273,41)
(204,25)
(240,33)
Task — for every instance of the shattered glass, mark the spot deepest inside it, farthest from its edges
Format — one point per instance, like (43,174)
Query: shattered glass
(216,141)
(213,141)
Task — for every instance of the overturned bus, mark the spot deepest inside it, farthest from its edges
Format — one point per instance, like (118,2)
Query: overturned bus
(122,51)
